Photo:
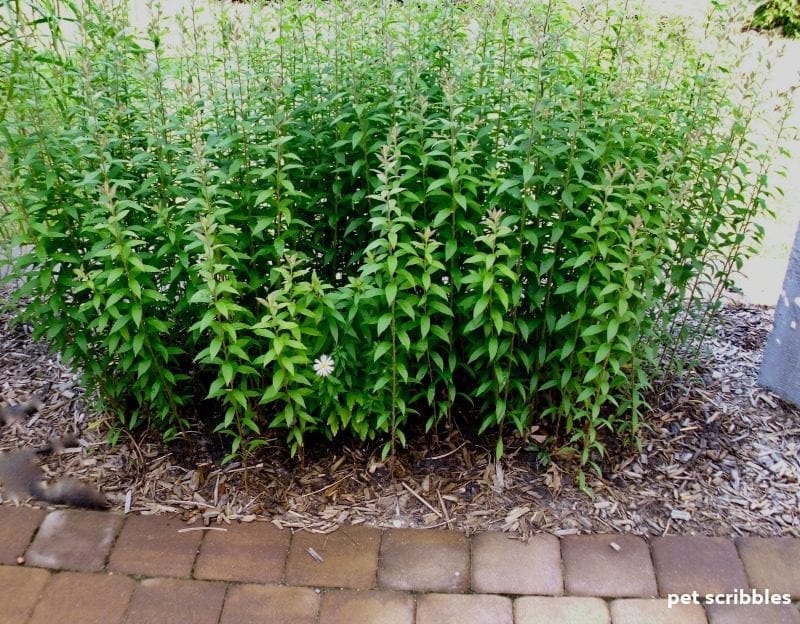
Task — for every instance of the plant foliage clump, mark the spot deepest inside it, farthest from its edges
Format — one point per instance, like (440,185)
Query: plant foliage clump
(783,15)
(512,210)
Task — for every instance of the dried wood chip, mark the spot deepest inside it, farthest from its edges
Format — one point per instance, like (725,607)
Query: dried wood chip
(315,555)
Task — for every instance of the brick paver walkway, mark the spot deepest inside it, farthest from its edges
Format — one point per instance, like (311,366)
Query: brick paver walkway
(87,567)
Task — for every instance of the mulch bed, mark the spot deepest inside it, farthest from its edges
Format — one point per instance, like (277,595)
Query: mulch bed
(722,458)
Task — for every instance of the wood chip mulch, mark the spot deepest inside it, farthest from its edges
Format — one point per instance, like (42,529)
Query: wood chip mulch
(722,458)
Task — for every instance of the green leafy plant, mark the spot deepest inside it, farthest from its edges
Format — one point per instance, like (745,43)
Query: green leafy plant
(783,15)
(366,220)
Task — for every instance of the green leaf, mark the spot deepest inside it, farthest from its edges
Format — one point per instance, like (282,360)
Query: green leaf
(492,346)
(391,292)
(488,282)
(563,321)
(507,184)
(137,343)
(441,216)
(566,197)
(583,282)
(384,322)
(602,352)
(380,350)
(450,248)
(613,328)
(136,314)
(565,288)
(527,172)
(226,370)
(113,276)
(135,288)
(404,339)
(381,382)
(579,172)
(583,259)
(592,374)
(119,324)
(144,366)
(502,295)
(424,325)
(592,330)
(272,393)
(214,346)
(497,319)
(480,305)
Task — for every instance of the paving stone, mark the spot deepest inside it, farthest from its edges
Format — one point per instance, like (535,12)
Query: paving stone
(84,598)
(419,560)
(349,558)
(536,569)
(17,526)
(640,611)
(257,604)
(708,565)
(592,567)
(169,600)
(153,546)
(567,610)
(753,614)
(20,588)
(464,609)
(366,607)
(254,552)
(72,539)
(772,563)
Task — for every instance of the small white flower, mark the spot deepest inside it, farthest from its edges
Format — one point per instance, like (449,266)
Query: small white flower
(323,365)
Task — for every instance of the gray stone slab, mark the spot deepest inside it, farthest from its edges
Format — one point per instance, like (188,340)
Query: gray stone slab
(72,539)
(780,370)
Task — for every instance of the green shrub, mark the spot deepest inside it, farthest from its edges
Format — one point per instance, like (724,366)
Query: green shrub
(778,14)
(513,211)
